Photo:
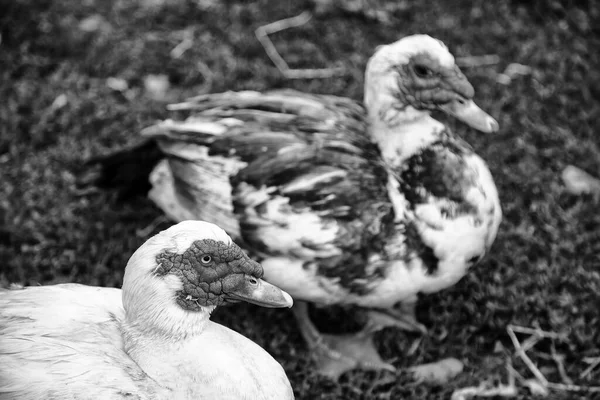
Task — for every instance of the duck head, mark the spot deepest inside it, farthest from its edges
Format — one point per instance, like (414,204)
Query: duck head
(177,278)
(409,78)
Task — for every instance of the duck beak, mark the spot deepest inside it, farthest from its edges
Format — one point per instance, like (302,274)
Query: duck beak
(261,293)
(468,112)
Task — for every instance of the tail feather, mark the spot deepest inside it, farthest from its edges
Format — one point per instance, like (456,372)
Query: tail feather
(125,171)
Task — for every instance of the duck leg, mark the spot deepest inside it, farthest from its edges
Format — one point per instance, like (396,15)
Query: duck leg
(336,354)
(402,317)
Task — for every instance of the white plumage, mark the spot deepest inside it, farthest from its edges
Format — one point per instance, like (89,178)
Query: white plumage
(78,342)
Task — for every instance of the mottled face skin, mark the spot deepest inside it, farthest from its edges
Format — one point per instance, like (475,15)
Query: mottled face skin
(427,85)
(209,270)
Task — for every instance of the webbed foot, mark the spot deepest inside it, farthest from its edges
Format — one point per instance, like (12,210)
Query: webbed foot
(337,354)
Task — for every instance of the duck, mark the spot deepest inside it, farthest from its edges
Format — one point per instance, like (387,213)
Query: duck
(153,338)
(345,203)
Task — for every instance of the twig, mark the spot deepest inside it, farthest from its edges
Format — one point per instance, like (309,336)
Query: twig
(262,34)
(534,386)
(531,341)
(536,331)
(208,76)
(187,43)
(573,388)
(184,45)
(589,369)
(511,329)
(513,373)
(414,346)
(483,390)
(521,353)
(477,61)
(558,359)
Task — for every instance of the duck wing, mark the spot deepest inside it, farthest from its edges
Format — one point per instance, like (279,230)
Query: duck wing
(64,341)
(313,202)
(293,175)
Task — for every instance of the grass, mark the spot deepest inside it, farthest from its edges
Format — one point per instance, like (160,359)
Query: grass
(544,268)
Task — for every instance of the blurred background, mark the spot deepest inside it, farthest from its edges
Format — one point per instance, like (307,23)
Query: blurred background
(78,78)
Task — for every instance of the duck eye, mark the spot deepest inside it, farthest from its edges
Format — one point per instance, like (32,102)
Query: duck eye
(206,259)
(421,70)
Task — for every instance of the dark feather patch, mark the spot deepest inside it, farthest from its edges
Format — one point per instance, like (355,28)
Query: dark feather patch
(359,240)
(125,170)
(420,249)
(439,171)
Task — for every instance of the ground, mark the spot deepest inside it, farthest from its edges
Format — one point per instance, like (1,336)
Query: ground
(57,107)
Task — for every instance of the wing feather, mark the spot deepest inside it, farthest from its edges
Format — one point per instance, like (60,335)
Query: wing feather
(51,336)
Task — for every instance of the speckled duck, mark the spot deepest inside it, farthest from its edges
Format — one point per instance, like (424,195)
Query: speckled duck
(345,204)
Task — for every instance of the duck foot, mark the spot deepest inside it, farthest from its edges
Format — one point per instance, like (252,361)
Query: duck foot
(337,354)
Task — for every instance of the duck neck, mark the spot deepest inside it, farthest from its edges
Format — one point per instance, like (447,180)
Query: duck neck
(399,129)
(167,355)
(401,133)
(157,331)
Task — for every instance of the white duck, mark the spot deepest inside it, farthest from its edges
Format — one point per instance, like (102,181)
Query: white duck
(151,340)
(335,218)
